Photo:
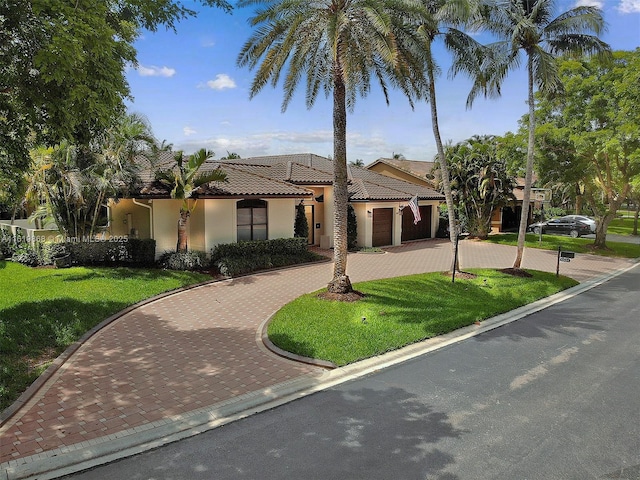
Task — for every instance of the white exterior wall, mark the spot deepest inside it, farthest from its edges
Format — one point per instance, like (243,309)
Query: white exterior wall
(119,220)
(220,222)
(435,215)
(166,213)
(328,215)
(364,224)
(281,216)
(197,236)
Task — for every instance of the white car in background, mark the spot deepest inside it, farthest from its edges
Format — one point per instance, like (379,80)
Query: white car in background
(581,218)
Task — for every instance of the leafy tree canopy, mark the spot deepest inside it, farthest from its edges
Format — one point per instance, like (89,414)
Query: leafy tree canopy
(593,132)
(62,67)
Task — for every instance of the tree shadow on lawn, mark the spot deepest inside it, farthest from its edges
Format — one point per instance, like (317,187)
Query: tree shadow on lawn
(461,296)
(122,273)
(34,326)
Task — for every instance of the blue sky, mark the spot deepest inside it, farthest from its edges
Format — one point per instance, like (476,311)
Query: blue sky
(188,85)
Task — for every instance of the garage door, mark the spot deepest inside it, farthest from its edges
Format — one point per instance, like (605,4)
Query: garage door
(382,227)
(419,231)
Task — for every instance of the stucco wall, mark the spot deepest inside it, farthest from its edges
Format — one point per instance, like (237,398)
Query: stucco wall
(197,238)
(165,224)
(281,214)
(220,222)
(119,221)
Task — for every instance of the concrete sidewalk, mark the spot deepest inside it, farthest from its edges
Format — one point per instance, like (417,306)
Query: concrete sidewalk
(189,361)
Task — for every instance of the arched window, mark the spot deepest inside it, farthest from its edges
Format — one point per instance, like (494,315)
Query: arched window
(252,220)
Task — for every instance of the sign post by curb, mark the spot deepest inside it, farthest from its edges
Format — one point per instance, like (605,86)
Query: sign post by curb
(563,257)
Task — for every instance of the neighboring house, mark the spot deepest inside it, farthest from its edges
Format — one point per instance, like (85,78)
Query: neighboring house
(413,171)
(258,202)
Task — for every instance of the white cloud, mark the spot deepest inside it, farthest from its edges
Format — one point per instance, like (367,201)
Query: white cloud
(590,3)
(629,6)
(221,82)
(188,131)
(153,71)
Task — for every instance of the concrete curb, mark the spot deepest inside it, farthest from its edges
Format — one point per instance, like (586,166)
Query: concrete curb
(68,460)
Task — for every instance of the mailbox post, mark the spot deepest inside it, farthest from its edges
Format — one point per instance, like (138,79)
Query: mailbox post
(563,257)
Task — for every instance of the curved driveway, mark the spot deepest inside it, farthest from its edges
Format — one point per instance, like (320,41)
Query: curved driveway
(197,350)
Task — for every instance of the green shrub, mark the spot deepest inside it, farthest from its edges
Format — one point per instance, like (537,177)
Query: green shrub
(301,225)
(188,261)
(124,252)
(7,244)
(32,254)
(234,259)
(352,228)
(26,256)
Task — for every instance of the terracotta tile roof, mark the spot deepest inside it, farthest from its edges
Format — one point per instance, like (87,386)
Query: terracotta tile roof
(240,182)
(369,185)
(365,185)
(280,175)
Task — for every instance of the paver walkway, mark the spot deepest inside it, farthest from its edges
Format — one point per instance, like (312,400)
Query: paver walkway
(199,348)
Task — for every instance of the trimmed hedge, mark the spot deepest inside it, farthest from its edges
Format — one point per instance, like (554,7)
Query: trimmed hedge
(124,252)
(234,259)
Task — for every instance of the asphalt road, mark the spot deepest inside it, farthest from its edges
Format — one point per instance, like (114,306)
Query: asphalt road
(555,395)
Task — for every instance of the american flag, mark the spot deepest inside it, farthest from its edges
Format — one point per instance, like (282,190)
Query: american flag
(413,203)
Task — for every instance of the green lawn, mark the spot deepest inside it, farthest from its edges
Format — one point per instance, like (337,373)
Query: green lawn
(44,310)
(578,245)
(401,311)
(621,226)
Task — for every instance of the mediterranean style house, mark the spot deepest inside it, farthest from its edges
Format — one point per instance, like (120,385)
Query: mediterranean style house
(258,201)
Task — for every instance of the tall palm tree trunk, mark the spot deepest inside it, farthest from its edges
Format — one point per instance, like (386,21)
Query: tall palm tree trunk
(182,231)
(340,282)
(444,170)
(528,178)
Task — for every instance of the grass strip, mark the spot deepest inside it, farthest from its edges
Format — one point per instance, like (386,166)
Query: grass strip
(578,245)
(44,310)
(401,311)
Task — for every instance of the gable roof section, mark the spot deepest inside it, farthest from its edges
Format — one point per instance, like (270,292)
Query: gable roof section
(370,185)
(417,168)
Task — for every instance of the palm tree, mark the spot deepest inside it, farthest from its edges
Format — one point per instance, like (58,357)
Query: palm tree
(338,45)
(481,182)
(115,171)
(184,179)
(529,26)
(443,16)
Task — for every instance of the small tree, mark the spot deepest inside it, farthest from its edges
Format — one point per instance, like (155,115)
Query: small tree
(184,179)
(301,226)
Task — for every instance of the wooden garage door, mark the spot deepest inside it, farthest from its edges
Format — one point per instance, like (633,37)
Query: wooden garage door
(382,227)
(419,231)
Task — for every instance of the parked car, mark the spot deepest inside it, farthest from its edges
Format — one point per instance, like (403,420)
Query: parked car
(581,218)
(564,226)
